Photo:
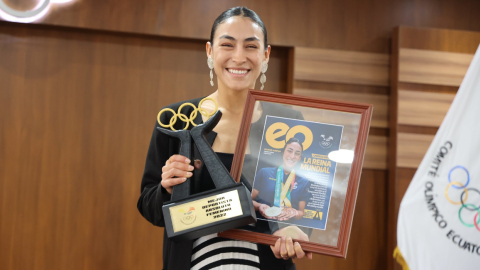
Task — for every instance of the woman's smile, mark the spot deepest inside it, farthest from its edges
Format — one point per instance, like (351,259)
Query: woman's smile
(238,72)
(291,162)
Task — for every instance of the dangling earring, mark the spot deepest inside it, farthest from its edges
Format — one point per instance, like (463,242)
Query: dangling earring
(263,78)
(210,66)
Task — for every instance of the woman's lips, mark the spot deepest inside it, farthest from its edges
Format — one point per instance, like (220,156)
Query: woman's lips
(238,72)
(291,161)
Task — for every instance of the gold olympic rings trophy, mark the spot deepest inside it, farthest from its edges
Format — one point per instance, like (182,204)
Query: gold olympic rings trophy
(189,216)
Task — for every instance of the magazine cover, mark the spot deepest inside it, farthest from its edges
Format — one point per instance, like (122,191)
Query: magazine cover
(294,176)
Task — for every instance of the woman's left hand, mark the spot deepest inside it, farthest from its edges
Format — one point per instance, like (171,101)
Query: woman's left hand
(286,249)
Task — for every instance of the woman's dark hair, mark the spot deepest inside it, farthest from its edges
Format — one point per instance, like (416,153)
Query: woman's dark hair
(292,140)
(243,12)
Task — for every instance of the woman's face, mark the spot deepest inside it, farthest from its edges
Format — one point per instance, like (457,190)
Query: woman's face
(292,155)
(238,52)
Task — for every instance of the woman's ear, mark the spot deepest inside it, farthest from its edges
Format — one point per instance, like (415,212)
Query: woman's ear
(209,49)
(267,53)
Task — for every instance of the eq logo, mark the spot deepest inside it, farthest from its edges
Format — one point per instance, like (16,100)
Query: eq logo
(42,8)
(469,197)
(279,129)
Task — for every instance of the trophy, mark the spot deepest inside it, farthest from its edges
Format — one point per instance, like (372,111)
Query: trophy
(189,216)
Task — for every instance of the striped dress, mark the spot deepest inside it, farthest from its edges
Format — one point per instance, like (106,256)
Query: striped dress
(213,252)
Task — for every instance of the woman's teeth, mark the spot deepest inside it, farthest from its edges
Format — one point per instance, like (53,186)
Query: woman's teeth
(237,71)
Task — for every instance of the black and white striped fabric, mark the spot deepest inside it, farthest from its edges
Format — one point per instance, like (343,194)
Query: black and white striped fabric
(213,252)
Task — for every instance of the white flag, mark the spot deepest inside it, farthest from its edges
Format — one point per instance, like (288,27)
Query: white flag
(439,222)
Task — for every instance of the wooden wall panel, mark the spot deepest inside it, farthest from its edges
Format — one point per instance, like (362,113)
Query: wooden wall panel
(376,155)
(349,67)
(411,148)
(435,39)
(422,108)
(331,24)
(78,109)
(380,102)
(433,67)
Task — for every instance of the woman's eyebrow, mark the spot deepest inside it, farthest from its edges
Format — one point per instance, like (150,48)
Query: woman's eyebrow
(227,37)
(252,39)
(232,38)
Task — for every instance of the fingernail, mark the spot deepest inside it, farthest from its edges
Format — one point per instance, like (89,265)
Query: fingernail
(284,237)
(289,238)
(184,179)
(190,167)
(189,174)
(187,160)
(297,244)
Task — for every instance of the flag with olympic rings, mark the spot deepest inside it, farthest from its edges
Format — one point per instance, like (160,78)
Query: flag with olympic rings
(439,218)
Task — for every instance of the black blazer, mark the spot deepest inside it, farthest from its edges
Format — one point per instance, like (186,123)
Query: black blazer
(177,256)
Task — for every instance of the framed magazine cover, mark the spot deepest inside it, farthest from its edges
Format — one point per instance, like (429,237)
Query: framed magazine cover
(302,159)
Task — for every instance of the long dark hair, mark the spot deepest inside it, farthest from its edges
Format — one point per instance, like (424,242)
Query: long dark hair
(243,12)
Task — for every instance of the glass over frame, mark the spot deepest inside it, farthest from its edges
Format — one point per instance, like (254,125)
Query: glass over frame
(298,161)
(301,157)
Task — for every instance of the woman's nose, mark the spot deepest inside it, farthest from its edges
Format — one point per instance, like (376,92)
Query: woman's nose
(239,55)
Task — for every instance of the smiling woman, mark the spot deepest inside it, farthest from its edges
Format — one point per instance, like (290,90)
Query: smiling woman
(287,191)
(238,53)
(238,48)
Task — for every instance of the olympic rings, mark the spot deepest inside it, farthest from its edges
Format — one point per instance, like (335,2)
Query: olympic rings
(468,206)
(461,197)
(448,198)
(450,174)
(475,222)
(205,113)
(460,216)
(183,117)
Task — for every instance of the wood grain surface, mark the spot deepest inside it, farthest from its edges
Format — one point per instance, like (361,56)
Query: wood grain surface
(453,40)
(411,148)
(433,67)
(422,108)
(312,64)
(330,24)
(380,102)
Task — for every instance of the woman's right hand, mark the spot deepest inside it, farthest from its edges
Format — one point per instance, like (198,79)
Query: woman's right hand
(176,170)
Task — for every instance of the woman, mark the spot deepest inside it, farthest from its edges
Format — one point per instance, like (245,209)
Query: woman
(238,53)
(286,190)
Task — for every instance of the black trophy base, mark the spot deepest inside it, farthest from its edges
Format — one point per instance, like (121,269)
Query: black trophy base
(209,212)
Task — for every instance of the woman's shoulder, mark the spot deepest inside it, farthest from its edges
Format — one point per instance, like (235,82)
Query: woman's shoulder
(267,170)
(176,105)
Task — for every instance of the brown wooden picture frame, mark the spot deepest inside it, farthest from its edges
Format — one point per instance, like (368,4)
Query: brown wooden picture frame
(364,110)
